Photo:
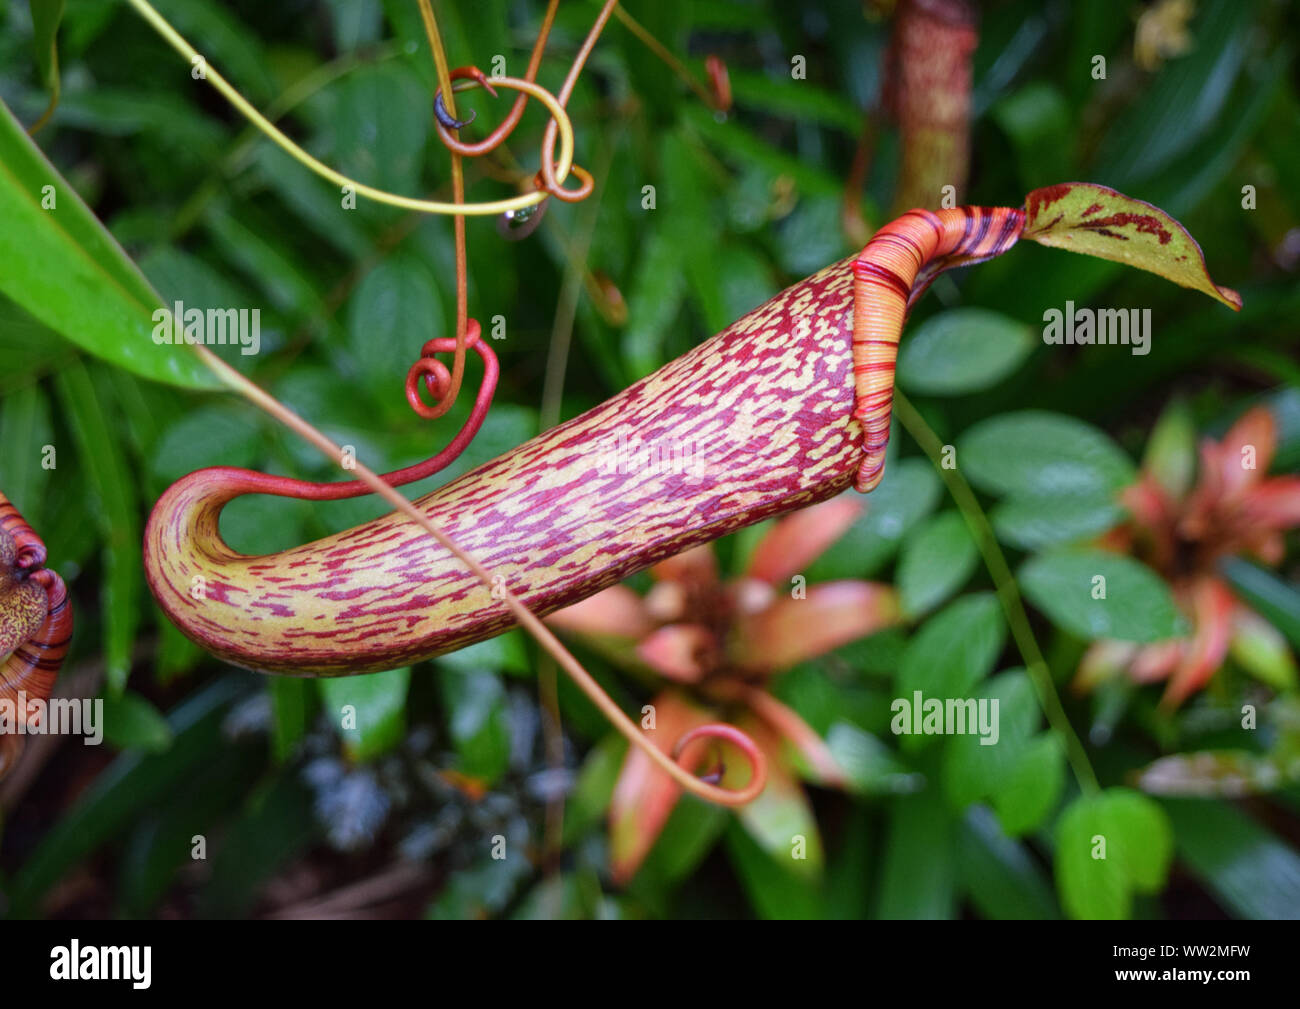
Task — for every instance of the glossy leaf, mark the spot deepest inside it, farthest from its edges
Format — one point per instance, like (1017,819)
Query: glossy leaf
(776,893)
(476,706)
(1271,597)
(961,351)
(950,654)
(25,430)
(937,559)
(1252,872)
(68,272)
(1020,771)
(1094,594)
(1034,521)
(1035,453)
(368,712)
(1097,221)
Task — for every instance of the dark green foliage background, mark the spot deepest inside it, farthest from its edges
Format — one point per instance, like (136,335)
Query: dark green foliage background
(216,216)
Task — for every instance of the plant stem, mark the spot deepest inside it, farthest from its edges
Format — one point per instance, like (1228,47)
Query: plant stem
(1008,592)
(246,109)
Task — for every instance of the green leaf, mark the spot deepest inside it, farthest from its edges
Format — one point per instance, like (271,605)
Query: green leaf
(938,557)
(24,431)
(692,829)
(908,493)
(485,887)
(950,654)
(46,16)
(381,124)
(27,347)
(1000,875)
(289,704)
(65,269)
(1097,221)
(227,44)
(475,701)
(1252,872)
(273,827)
(1038,121)
(871,767)
(1035,453)
(218,435)
(162,841)
(1260,649)
(1109,846)
(962,350)
(1020,772)
(776,893)
(919,870)
(368,711)
(131,722)
(1032,522)
(1191,98)
(779,818)
(587,804)
(114,510)
(390,316)
(505,653)
(1271,597)
(1135,604)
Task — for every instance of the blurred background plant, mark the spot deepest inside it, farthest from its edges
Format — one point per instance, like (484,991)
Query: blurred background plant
(451,759)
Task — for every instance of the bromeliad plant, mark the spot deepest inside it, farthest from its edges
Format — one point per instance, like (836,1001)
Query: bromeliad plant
(719,645)
(1187,522)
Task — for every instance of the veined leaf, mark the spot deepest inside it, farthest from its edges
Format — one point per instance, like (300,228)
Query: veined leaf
(1097,221)
(64,267)
(1096,594)
(1109,846)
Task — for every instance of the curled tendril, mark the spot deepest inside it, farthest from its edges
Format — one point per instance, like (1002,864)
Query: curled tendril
(734,736)
(437,379)
(549,179)
(541,181)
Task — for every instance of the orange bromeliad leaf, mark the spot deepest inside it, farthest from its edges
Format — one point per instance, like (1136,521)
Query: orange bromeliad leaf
(793,630)
(644,795)
(1097,221)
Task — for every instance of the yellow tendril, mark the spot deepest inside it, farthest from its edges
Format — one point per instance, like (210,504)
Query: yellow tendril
(241,104)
